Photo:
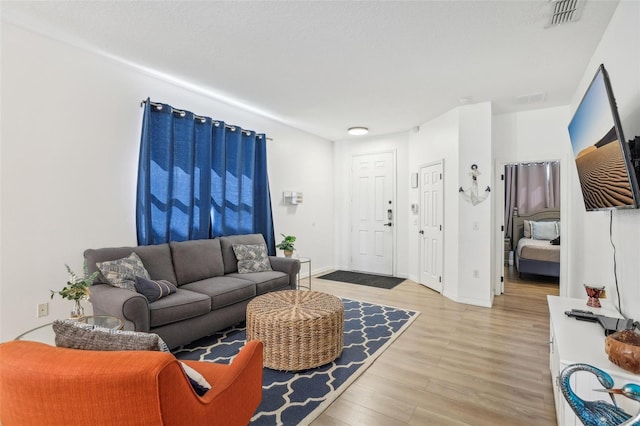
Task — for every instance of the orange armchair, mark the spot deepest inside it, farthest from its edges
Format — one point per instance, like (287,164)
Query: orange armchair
(47,385)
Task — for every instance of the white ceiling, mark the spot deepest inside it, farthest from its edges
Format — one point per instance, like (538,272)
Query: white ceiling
(324,66)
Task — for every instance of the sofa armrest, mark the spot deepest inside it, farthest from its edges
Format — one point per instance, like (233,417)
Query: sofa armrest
(236,391)
(128,305)
(289,266)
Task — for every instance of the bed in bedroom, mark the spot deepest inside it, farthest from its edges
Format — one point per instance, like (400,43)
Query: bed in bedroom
(533,235)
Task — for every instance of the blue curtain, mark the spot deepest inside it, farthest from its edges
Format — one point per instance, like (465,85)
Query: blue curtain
(198,178)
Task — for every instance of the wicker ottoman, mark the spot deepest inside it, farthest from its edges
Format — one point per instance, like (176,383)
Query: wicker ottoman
(299,329)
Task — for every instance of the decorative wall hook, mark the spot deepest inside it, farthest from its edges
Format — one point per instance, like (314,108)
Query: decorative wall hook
(471,194)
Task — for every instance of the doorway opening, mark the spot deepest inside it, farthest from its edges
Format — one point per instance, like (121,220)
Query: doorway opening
(531,234)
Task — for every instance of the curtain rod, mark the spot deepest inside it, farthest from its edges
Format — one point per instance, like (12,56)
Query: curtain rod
(533,163)
(196,117)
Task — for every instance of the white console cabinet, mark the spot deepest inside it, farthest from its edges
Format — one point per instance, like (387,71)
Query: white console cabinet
(574,341)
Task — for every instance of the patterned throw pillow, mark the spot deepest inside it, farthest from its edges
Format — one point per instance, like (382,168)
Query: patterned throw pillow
(252,258)
(77,335)
(154,290)
(123,272)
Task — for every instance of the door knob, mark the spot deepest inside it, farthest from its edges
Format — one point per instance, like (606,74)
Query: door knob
(388,224)
(421,231)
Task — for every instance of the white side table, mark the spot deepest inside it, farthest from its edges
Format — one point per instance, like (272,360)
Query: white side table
(304,260)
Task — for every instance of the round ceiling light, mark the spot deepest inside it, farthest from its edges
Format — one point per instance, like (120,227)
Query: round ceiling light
(358,131)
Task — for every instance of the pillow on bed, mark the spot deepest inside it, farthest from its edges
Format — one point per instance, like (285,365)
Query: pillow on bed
(543,230)
(527,228)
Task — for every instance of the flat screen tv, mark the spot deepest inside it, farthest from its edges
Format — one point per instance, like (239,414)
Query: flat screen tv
(607,179)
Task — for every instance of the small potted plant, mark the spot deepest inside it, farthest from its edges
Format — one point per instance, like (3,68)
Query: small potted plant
(287,244)
(76,289)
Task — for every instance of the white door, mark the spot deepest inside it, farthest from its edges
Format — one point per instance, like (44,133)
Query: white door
(372,213)
(431,225)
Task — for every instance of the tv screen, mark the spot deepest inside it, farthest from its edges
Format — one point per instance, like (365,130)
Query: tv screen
(601,154)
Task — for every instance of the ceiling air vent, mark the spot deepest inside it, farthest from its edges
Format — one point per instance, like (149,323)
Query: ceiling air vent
(564,11)
(529,99)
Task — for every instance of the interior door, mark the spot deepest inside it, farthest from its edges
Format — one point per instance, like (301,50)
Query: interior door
(372,213)
(431,225)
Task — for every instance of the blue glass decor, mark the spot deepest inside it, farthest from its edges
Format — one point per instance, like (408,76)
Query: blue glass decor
(599,413)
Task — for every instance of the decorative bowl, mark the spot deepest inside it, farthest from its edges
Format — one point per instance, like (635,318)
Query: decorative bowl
(623,349)
(594,294)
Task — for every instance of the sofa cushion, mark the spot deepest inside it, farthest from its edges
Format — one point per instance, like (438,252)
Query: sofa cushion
(157,261)
(265,281)
(196,260)
(251,258)
(229,257)
(154,290)
(181,305)
(223,291)
(77,335)
(122,273)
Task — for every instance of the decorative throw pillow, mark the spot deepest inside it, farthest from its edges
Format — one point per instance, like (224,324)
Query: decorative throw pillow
(123,272)
(527,229)
(252,258)
(555,241)
(197,380)
(77,335)
(154,290)
(543,230)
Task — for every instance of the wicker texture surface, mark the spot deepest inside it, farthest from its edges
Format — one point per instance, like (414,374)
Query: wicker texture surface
(299,329)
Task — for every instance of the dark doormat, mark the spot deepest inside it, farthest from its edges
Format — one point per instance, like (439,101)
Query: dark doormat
(371,280)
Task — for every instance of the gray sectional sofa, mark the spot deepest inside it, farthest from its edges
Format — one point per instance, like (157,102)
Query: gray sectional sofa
(211,294)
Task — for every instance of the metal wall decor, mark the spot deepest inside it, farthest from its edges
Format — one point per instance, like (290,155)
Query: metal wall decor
(471,194)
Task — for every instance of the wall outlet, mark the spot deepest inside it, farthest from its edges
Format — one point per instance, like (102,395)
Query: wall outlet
(43,309)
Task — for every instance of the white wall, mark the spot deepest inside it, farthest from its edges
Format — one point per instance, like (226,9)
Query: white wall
(475,222)
(70,134)
(438,140)
(586,251)
(589,246)
(343,153)
(460,138)
(539,135)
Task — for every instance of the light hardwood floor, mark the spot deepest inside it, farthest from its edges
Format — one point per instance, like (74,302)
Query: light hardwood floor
(457,364)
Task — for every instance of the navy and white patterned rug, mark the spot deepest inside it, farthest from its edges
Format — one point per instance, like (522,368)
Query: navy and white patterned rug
(298,398)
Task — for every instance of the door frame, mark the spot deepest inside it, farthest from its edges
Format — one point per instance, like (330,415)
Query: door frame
(498,284)
(394,199)
(421,207)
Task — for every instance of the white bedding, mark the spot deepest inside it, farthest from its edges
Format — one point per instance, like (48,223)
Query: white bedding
(541,250)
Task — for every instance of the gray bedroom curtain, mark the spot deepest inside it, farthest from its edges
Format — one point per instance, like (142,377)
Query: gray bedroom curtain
(530,187)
